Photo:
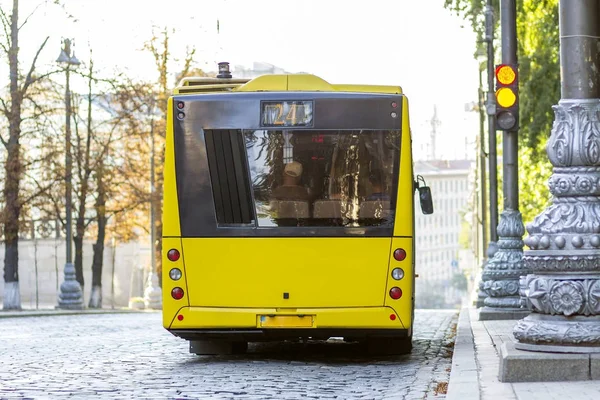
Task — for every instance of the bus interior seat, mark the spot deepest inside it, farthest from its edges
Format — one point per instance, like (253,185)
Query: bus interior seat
(374,209)
(328,209)
(290,209)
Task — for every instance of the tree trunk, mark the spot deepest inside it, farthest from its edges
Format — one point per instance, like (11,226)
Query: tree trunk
(96,294)
(78,242)
(12,169)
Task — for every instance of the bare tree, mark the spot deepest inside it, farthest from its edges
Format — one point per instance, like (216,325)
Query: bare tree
(14,168)
(158,45)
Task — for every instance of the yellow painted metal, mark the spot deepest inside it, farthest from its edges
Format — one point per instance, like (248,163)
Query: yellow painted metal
(324,318)
(314,272)
(368,89)
(404,220)
(170,218)
(339,282)
(311,83)
(170,306)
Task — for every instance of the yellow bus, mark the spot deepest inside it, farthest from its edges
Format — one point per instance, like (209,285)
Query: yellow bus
(288,213)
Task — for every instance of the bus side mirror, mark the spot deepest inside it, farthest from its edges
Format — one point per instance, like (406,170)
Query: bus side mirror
(424,195)
(426,200)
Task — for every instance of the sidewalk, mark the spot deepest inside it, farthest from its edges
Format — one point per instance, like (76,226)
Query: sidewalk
(476,363)
(53,311)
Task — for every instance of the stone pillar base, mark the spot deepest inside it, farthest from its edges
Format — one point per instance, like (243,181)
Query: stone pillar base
(559,334)
(493,313)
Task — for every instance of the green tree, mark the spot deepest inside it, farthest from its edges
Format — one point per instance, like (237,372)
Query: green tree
(539,87)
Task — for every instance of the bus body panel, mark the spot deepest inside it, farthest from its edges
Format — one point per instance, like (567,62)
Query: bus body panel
(170,218)
(286,272)
(205,318)
(404,221)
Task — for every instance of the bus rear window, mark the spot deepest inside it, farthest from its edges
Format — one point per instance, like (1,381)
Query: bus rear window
(323,178)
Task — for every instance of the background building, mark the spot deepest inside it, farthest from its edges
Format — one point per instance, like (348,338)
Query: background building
(442,265)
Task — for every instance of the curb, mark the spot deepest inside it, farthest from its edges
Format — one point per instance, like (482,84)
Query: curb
(464,376)
(57,312)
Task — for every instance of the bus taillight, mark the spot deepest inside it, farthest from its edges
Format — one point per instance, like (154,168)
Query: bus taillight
(399,254)
(177,293)
(395,293)
(173,255)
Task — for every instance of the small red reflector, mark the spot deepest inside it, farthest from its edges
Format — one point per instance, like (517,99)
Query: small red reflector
(173,255)
(180,105)
(177,293)
(180,317)
(399,254)
(395,293)
(394,104)
(393,317)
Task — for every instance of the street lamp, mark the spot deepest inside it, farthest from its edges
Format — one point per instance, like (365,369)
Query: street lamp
(71,296)
(152,292)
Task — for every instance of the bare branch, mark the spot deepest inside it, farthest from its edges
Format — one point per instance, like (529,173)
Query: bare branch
(5,24)
(29,16)
(29,80)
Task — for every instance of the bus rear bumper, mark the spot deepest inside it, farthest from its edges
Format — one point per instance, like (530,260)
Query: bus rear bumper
(205,323)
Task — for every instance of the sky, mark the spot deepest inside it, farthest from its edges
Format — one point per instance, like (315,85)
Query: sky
(418,45)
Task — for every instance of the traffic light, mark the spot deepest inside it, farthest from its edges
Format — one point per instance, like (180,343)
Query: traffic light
(507,97)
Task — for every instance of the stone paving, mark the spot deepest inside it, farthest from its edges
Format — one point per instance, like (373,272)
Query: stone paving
(131,356)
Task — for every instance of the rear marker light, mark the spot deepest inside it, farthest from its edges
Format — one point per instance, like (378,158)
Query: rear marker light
(394,115)
(180,317)
(180,115)
(177,293)
(399,254)
(395,293)
(180,105)
(394,104)
(393,317)
(173,255)
(397,273)
(175,274)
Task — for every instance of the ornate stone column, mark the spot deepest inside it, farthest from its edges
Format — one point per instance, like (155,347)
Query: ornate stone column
(563,289)
(481,295)
(502,272)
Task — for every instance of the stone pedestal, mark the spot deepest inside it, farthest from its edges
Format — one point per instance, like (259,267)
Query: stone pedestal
(70,296)
(502,272)
(481,295)
(153,294)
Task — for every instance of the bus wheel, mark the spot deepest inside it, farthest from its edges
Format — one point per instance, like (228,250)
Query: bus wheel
(389,346)
(220,347)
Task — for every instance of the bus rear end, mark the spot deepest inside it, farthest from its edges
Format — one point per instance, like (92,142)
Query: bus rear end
(288,214)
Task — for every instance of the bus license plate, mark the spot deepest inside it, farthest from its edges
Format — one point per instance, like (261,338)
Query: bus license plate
(286,321)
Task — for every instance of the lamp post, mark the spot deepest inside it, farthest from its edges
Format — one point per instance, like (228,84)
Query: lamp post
(71,296)
(152,293)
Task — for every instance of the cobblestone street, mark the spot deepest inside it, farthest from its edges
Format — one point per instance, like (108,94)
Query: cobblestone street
(132,356)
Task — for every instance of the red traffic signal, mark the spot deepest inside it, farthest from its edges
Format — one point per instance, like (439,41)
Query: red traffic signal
(507,97)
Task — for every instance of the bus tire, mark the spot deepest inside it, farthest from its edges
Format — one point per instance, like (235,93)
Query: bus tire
(217,347)
(389,346)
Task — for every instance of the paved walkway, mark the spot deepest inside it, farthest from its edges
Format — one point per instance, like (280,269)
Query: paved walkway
(475,367)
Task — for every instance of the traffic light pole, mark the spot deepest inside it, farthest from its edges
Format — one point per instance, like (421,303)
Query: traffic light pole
(491,112)
(501,274)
